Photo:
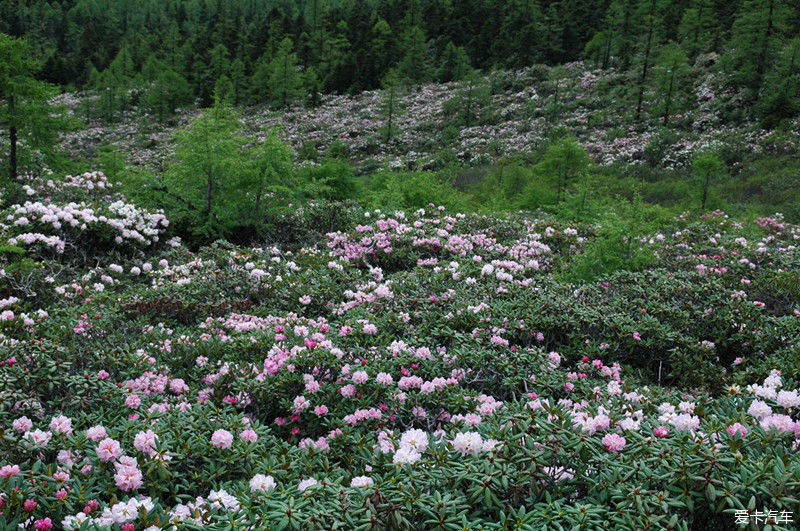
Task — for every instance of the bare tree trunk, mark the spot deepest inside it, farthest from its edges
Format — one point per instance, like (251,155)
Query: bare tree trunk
(762,56)
(668,103)
(646,60)
(12,137)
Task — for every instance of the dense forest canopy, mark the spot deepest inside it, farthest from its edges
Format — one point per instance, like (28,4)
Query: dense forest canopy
(350,45)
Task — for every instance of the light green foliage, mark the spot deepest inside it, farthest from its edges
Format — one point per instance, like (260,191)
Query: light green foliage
(671,83)
(781,99)
(268,180)
(278,80)
(472,103)
(707,166)
(699,28)
(755,41)
(454,63)
(563,161)
(206,173)
(168,91)
(333,180)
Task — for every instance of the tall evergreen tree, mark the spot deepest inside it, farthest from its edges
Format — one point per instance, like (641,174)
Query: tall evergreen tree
(414,66)
(651,19)
(391,105)
(698,28)
(24,111)
(206,170)
(454,63)
(780,99)
(755,41)
(472,101)
(671,72)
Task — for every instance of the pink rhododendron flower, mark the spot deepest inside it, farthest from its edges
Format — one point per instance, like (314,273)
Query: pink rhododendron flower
(128,478)
(22,424)
(96,433)
(249,436)
(614,442)
(43,525)
(145,442)
(9,471)
(108,449)
(737,429)
(222,439)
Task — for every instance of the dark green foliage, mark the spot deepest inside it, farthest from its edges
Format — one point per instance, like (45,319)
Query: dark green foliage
(351,46)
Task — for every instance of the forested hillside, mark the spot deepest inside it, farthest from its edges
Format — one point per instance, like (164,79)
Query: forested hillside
(350,46)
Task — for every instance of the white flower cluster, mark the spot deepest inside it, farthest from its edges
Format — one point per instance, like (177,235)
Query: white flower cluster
(119,513)
(413,444)
(128,222)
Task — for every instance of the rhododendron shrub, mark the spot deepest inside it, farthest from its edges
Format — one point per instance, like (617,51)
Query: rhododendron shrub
(409,370)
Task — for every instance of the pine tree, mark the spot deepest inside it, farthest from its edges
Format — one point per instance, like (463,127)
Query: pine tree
(382,46)
(224,93)
(269,172)
(414,66)
(166,93)
(285,82)
(698,27)
(755,41)
(782,99)
(564,161)
(671,71)
(206,171)
(313,87)
(707,166)
(650,25)
(472,101)
(239,79)
(521,34)
(454,63)
(24,111)
(391,105)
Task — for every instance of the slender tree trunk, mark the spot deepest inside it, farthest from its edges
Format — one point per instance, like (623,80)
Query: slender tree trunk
(697,29)
(258,197)
(705,191)
(469,104)
(762,56)
(668,104)
(209,179)
(561,178)
(607,53)
(646,60)
(285,79)
(391,113)
(12,138)
(625,52)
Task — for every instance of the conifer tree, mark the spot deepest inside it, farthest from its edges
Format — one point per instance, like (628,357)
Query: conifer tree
(24,111)
(285,82)
(671,71)
(414,66)
(391,105)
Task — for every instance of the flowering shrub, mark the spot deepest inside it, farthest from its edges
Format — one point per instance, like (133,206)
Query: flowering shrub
(409,370)
(100,221)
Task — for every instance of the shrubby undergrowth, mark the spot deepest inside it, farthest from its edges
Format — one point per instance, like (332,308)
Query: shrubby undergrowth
(405,369)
